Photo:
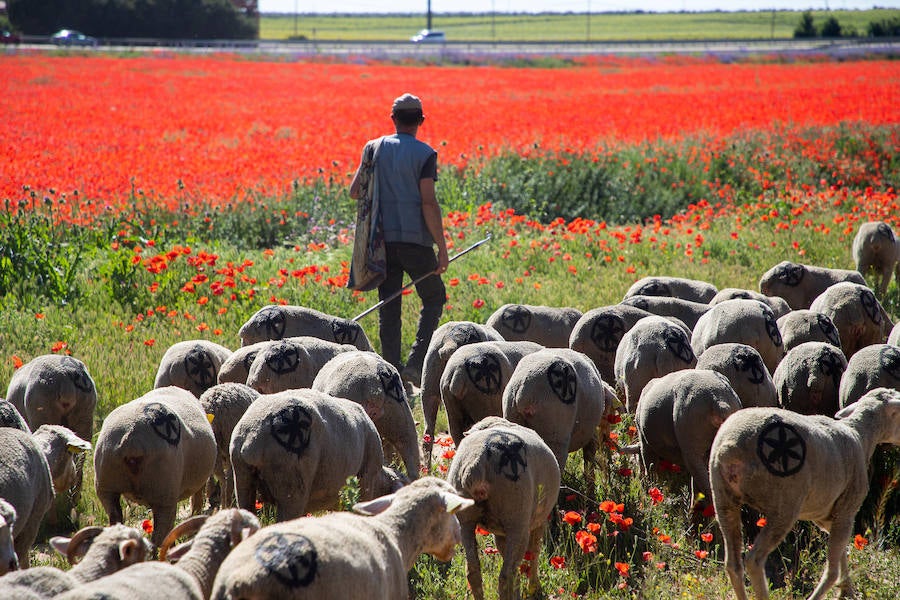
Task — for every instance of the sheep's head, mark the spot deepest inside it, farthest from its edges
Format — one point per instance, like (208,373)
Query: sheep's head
(117,545)
(8,559)
(60,446)
(888,402)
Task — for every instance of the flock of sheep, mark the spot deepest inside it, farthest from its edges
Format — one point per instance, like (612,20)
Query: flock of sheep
(762,397)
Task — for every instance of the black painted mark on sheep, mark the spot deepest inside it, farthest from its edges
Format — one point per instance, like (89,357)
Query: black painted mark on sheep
(678,344)
(884,230)
(199,367)
(889,360)
(637,302)
(781,449)
(344,332)
(607,332)
(516,318)
(739,295)
(164,422)
(749,362)
(562,380)
(290,427)
(9,416)
(654,288)
(76,371)
(831,365)
(391,384)
(290,557)
(870,305)
(284,358)
(507,452)
(829,330)
(484,373)
(790,274)
(273,321)
(771,326)
(249,358)
(465,334)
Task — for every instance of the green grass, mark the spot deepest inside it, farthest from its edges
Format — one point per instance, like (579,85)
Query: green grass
(569,27)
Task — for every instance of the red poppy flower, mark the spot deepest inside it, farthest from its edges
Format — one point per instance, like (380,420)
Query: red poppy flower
(622,568)
(147,526)
(572,518)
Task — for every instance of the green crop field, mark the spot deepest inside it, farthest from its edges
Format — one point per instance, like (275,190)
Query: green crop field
(571,27)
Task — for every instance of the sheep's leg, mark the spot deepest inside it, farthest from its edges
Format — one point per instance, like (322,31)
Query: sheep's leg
(730,523)
(836,565)
(226,485)
(512,548)
(112,504)
(430,405)
(534,547)
(245,485)
(163,522)
(198,500)
(23,540)
(775,530)
(473,563)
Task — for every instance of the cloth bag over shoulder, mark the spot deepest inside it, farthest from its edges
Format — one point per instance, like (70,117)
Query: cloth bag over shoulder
(368,266)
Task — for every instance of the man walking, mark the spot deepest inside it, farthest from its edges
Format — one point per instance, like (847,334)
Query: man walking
(405,171)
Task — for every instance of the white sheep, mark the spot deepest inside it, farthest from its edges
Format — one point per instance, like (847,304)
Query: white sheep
(154,450)
(8,559)
(191,578)
(291,363)
(686,311)
(876,247)
(778,304)
(743,367)
(299,447)
(549,326)
(275,322)
(236,367)
(444,342)
(804,325)
(678,417)
(345,555)
(33,469)
(741,321)
(872,367)
(192,365)
(474,379)
(693,290)
(101,550)
(514,479)
(894,336)
(856,312)
(10,416)
(800,284)
(808,378)
(373,382)
(559,394)
(789,467)
(224,405)
(654,347)
(599,331)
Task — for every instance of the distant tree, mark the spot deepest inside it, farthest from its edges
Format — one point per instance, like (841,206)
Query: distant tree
(806,28)
(831,28)
(884,28)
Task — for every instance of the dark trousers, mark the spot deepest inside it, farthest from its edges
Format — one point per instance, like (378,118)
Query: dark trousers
(416,261)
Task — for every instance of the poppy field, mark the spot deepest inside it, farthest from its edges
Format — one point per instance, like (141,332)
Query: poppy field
(154,198)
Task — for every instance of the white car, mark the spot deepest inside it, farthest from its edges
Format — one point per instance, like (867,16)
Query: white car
(429,36)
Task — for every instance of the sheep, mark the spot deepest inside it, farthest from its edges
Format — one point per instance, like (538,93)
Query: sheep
(894,336)
(599,331)
(778,304)
(445,341)
(741,321)
(874,366)
(686,311)
(875,247)
(191,578)
(345,555)
(513,477)
(743,367)
(559,394)
(192,365)
(549,326)
(789,467)
(653,347)
(10,417)
(275,322)
(55,389)
(236,367)
(154,450)
(800,284)
(8,559)
(33,469)
(858,315)
(224,404)
(678,417)
(692,290)
(808,378)
(373,382)
(103,551)
(474,379)
(299,447)
(804,325)
(291,363)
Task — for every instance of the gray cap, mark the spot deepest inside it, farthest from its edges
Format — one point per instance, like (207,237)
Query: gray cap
(407,102)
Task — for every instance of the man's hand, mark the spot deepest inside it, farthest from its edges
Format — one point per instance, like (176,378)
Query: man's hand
(443,260)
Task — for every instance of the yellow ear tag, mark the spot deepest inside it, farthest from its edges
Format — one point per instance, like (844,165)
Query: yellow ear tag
(210,417)
(74,449)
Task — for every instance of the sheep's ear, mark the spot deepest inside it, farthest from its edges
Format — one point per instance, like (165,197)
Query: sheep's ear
(846,411)
(373,507)
(60,544)
(76,445)
(129,551)
(455,502)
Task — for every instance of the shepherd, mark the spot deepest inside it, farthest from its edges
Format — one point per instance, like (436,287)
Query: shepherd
(398,224)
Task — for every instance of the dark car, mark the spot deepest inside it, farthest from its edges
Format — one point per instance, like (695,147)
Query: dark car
(9,37)
(70,37)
